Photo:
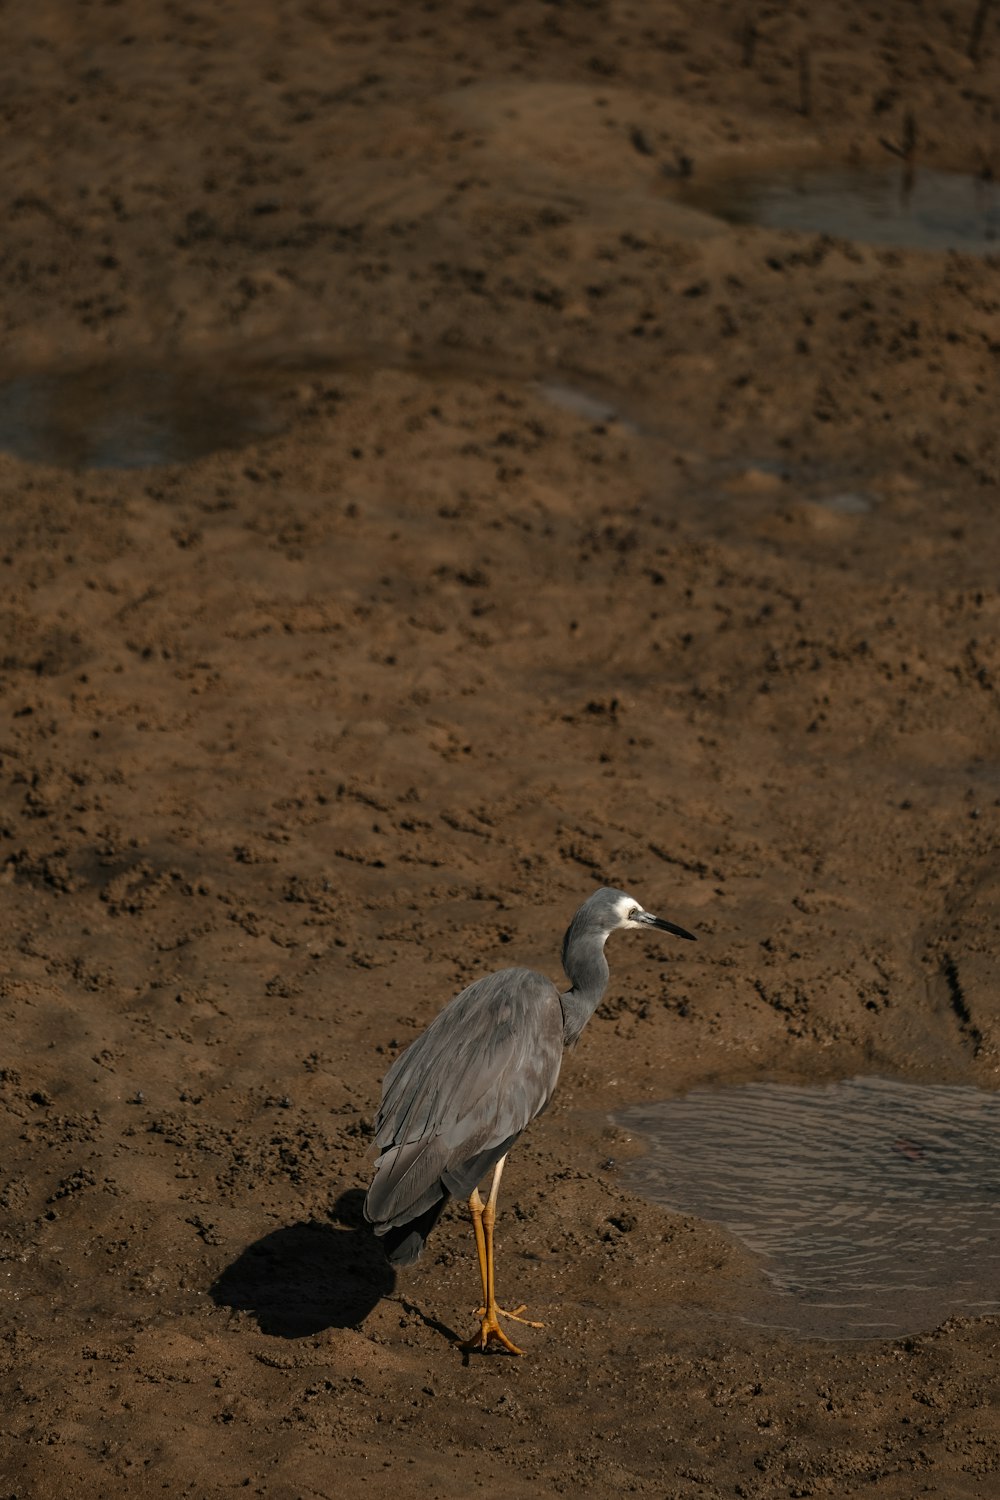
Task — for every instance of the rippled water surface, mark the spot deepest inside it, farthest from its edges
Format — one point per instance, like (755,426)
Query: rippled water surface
(875,1205)
(914,208)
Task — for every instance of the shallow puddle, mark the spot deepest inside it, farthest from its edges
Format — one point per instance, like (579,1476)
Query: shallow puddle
(874,1205)
(124,416)
(914,208)
(580,403)
(128,417)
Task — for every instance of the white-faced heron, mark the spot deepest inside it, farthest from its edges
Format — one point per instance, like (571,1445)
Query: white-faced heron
(457,1099)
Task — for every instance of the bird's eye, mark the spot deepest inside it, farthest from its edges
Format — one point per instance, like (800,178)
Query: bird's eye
(635,912)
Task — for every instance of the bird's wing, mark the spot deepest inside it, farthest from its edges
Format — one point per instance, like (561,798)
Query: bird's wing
(466,1088)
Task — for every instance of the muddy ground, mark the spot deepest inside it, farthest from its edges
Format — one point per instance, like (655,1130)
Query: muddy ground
(300,737)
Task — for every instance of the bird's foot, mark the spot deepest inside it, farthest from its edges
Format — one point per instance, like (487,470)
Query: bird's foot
(515,1315)
(490,1331)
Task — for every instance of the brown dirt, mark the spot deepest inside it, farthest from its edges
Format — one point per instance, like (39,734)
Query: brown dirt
(298,739)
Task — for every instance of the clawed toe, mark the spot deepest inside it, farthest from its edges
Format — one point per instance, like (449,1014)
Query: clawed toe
(490,1331)
(516,1316)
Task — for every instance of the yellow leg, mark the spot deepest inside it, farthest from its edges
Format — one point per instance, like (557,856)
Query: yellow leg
(476,1209)
(483,1220)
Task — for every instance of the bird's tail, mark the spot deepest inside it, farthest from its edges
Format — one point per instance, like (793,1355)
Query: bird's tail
(405,1243)
(407,1194)
(405,1201)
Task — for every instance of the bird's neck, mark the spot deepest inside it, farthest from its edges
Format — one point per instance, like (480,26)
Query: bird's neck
(587,969)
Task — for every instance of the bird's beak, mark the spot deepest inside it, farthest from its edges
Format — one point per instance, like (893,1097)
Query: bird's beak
(665,926)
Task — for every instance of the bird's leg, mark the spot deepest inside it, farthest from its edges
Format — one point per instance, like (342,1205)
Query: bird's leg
(489,1219)
(483,1219)
(489,1327)
(476,1206)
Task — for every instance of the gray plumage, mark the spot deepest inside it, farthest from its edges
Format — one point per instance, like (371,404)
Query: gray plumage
(457,1099)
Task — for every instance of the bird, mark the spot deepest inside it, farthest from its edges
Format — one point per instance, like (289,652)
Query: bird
(455,1101)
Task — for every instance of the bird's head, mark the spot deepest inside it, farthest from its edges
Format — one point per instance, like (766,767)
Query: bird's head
(607,910)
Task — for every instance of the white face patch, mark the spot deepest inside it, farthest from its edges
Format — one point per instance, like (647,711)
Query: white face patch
(624,906)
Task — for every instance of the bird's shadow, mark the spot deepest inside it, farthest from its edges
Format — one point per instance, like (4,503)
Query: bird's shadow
(310,1276)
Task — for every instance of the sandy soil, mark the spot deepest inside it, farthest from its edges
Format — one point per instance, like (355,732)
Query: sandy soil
(299,738)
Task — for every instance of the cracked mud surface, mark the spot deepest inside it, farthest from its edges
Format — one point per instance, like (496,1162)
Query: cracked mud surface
(301,737)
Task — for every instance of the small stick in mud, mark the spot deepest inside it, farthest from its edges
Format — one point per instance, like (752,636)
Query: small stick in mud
(906,150)
(749,39)
(805,82)
(977,28)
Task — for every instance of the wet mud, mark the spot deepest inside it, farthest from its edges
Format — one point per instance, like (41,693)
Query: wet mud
(304,732)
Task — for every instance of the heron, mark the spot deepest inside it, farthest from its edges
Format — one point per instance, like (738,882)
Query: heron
(455,1101)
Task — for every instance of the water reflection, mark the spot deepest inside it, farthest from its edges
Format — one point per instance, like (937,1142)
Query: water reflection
(874,1204)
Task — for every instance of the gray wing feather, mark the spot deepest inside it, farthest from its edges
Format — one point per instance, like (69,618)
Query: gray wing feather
(456,1100)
